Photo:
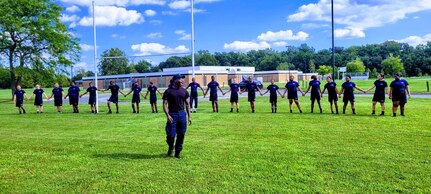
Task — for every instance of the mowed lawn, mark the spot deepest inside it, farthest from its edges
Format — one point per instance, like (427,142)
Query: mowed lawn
(223,152)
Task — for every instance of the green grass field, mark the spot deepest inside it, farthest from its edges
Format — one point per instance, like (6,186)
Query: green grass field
(223,153)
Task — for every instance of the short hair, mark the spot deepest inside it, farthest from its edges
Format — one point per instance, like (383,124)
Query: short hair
(313,77)
(350,77)
(151,82)
(330,77)
(381,75)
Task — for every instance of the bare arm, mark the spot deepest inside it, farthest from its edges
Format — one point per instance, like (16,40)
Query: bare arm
(146,94)
(308,89)
(202,89)
(390,92)
(83,94)
(279,92)
(408,91)
(187,102)
(267,92)
(14,98)
(165,109)
(220,89)
(341,91)
(372,88)
(128,93)
(159,92)
(358,88)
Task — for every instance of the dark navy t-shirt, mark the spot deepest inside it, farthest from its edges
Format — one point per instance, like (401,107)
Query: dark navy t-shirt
(349,88)
(292,86)
(272,89)
(399,87)
(19,94)
(331,88)
(234,88)
(152,90)
(251,87)
(176,98)
(92,91)
(38,94)
(380,86)
(315,86)
(58,92)
(136,91)
(114,89)
(194,87)
(213,87)
(74,91)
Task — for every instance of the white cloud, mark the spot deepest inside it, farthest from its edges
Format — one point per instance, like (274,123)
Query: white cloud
(416,40)
(416,17)
(205,1)
(280,44)
(73,9)
(155,35)
(184,35)
(246,46)
(181,4)
(169,13)
(283,35)
(86,47)
(156,48)
(81,65)
(356,16)
(121,3)
(112,16)
(150,13)
(69,18)
(155,22)
(313,25)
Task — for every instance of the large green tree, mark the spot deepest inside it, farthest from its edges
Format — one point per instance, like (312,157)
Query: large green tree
(393,65)
(114,62)
(31,30)
(355,66)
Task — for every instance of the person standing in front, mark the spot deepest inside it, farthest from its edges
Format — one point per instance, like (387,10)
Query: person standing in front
(175,100)
(398,93)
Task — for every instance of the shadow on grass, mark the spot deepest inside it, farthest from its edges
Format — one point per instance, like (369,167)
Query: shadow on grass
(129,156)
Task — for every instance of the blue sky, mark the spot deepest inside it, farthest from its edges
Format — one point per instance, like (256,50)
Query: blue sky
(151,27)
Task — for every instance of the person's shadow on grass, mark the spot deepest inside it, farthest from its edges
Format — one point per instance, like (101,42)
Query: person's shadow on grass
(129,156)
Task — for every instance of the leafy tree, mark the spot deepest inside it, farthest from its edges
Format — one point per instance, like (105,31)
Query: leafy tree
(114,66)
(374,73)
(143,66)
(82,73)
(393,65)
(205,58)
(4,78)
(285,66)
(311,66)
(355,66)
(324,70)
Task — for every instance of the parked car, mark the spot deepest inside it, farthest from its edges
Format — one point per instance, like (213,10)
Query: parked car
(244,83)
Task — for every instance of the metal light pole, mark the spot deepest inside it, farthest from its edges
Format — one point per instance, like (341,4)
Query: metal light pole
(193,38)
(333,47)
(95,59)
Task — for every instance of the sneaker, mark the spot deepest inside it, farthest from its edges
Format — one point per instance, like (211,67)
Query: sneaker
(169,154)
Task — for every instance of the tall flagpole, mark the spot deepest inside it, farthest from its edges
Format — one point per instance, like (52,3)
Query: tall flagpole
(193,38)
(333,44)
(95,59)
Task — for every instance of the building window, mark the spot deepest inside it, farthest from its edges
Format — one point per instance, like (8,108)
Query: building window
(238,69)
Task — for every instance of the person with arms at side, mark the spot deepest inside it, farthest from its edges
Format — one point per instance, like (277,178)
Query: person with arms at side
(115,89)
(379,94)
(91,90)
(273,89)
(251,88)
(331,86)
(57,93)
(212,87)
(292,87)
(73,94)
(38,94)
(152,89)
(347,89)
(136,99)
(175,100)
(18,99)
(314,85)
(194,94)
(234,90)
(398,93)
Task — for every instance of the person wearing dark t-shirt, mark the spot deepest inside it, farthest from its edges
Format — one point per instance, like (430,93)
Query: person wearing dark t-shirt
(57,93)
(136,98)
(398,93)
(152,89)
(234,90)
(273,89)
(251,88)
(194,94)
(212,87)
(331,86)
(314,86)
(175,100)
(379,94)
(18,99)
(292,87)
(115,89)
(73,94)
(92,91)
(38,94)
(347,89)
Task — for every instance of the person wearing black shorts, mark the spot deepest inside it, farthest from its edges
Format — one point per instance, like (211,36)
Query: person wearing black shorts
(212,87)
(57,93)
(194,94)
(18,98)
(347,89)
(398,93)
(251,88)
(292,87)
(92,98)
(331,86)
(38,94)
(136,99)
(115,89)
(234,90)
(379,94)
(152,89)
(273,89)
(314,86)
(73,94)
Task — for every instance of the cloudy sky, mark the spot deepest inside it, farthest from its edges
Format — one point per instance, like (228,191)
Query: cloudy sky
(152,27)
